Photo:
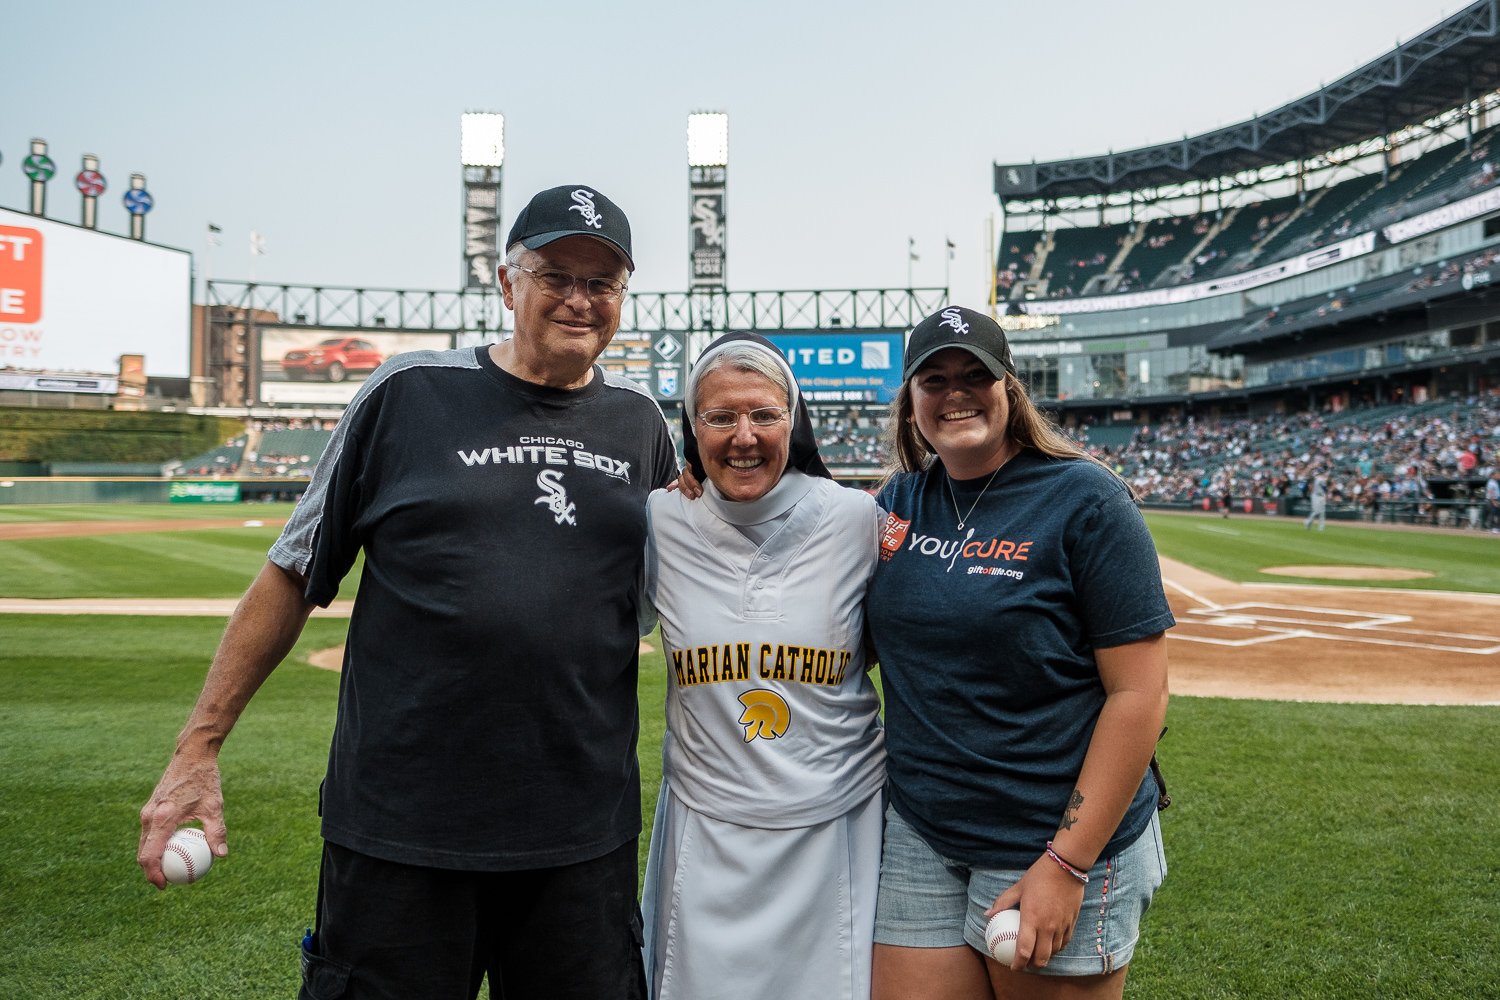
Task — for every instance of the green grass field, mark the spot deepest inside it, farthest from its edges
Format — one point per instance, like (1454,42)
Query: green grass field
(1238,548)
(1320,851)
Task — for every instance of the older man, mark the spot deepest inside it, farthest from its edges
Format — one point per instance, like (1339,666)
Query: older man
(482,802)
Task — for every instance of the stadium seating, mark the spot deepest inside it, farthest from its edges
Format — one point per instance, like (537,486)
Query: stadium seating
(1235,243)
(293,451)
(1318,222)
(222,461)
(1252,233)
(1078,255)
(1466,173)
(1160,243)
(1016,257)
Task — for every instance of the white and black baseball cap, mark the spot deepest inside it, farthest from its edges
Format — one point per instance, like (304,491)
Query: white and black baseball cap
(572,210)
(955,326)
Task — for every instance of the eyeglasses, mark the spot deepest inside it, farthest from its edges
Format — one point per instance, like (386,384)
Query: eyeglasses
(724,420)
(561,284)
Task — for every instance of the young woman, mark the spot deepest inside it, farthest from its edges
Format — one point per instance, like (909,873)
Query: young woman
(1018,615)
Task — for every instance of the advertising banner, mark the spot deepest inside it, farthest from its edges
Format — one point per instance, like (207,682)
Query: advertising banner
(31,382)
(75,299)
(706,227)
(300,364)
(651,359)
(1447,215)
(186,491)
(844,367)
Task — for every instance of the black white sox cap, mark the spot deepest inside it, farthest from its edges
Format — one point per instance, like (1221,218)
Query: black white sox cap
(572,210)
(955,326)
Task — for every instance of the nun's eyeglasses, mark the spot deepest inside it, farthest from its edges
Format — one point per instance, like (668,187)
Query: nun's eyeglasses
(724,420)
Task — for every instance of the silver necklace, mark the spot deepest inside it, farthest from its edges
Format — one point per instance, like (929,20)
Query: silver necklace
(963,519)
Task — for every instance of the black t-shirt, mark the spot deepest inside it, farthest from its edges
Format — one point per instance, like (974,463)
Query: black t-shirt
(487,710)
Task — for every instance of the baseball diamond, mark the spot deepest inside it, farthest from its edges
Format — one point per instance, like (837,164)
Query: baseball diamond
(1273,640)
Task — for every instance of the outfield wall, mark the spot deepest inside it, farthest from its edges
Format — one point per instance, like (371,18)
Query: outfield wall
(1457,513)
(90,489)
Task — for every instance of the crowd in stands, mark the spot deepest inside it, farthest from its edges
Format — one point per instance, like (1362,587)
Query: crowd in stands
(1380,461)
(1456,270)
(1377,461)
(850,437)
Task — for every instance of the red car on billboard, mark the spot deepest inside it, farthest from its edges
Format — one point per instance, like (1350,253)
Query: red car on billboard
(333,359)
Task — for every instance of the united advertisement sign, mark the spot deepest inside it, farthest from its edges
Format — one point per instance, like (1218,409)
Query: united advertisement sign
(844,367)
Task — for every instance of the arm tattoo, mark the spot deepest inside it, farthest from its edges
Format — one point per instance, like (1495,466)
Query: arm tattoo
(1070,815)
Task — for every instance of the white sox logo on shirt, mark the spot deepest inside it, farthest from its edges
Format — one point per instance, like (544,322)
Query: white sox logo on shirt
(585,207)
(550,482)
(955,319)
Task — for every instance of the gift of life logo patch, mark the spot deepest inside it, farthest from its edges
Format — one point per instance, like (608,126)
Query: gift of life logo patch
(20,275)
(892,534)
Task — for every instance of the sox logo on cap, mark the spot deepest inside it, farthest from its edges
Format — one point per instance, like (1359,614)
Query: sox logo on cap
(953,318)
(585,207)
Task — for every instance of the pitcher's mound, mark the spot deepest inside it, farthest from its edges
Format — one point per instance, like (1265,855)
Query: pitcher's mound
(1348,572)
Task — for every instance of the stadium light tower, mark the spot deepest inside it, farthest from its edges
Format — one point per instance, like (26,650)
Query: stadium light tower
(481,153)
(708,165)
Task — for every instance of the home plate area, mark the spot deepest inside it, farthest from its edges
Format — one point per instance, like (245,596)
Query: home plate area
(1254,623)
(1302,642)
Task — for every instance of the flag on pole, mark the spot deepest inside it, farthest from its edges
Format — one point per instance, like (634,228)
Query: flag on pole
(951,247)
(911,248)
(213,235)
(257,244)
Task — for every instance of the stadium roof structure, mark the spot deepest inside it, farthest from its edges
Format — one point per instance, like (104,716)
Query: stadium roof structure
(1445,66)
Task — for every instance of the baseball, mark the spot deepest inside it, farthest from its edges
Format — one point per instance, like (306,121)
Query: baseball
(1000,936)
(187,857)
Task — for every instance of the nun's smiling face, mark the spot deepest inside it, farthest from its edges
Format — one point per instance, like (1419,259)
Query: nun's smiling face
(746,458)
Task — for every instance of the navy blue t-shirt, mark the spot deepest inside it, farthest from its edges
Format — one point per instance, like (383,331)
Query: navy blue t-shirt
(986,640)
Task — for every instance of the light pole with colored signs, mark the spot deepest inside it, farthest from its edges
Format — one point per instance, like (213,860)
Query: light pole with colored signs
(90,184)
(40,168)
(138,202)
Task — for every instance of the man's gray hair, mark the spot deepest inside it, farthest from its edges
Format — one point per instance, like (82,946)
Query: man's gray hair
(746,357)
(513,255)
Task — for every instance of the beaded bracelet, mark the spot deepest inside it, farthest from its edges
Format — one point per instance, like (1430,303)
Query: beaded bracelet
(1079,874)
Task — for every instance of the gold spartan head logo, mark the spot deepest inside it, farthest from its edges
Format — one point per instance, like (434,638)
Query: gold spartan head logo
(766,715)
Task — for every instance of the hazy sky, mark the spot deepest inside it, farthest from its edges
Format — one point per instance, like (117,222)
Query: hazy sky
(332,128)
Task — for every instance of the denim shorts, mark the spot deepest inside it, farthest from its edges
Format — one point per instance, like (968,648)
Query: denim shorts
(929,901)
